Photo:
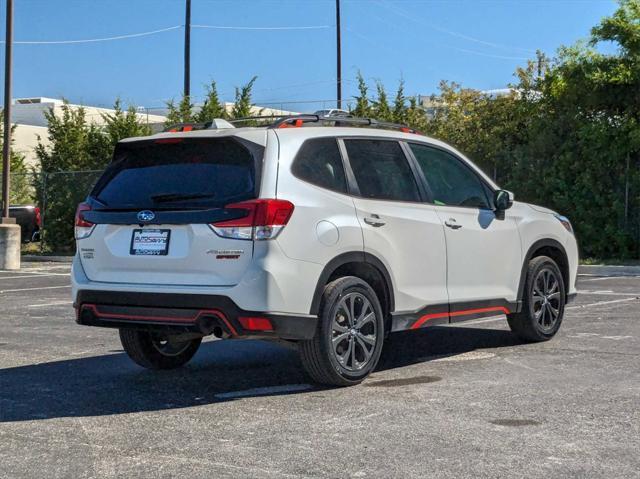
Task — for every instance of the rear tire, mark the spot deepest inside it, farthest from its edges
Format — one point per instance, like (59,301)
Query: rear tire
(349,337)
(543,302)
(155,351)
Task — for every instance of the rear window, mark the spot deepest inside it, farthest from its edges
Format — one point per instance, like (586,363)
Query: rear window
(180,173)
(319,162)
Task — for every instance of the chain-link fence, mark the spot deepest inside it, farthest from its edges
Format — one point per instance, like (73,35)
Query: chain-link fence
(56,194)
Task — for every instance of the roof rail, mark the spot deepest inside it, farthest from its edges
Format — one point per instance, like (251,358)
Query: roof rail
(293,121)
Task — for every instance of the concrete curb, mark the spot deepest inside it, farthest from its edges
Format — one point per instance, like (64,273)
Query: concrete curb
(609,270)
(31,258)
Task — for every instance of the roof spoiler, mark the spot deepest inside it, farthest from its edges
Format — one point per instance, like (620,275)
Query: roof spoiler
(215,124)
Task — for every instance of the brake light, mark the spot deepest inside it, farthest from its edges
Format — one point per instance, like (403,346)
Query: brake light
(264,220)
(83,228)
(38,217)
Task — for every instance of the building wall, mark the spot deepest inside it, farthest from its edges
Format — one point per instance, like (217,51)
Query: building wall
(25,140)
(31,111)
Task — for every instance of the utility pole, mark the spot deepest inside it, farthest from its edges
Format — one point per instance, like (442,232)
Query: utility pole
(187,49)
(9,230)
(6,146)
(338,58)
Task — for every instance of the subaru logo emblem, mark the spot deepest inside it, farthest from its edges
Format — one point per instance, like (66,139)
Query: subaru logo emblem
(146,216)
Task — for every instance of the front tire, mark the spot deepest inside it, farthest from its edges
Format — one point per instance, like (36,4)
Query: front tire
(348,341)
(544,302)
(157,351)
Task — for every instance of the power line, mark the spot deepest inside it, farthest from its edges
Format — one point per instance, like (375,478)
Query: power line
(94,40)
(453,33)
(221,27)
(162,30)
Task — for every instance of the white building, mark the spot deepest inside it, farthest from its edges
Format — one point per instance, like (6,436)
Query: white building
(28,114)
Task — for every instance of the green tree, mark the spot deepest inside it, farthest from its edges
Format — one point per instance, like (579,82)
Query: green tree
(242,105)
(180,113)
(76,149)
(381,109)
(124,124)
(363,107)
(21,191)
(400,104)
(212,107)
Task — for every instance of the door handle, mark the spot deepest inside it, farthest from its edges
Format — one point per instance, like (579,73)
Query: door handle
(451,223)
(374,220)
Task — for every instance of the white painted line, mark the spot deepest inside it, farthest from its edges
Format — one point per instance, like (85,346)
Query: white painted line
(600,303)
(287,388)
(33,289)
(603,278)
(35,273)
(606,293)
(55,303)
(33,276)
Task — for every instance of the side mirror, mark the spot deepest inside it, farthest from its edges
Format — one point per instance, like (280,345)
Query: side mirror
(502,200)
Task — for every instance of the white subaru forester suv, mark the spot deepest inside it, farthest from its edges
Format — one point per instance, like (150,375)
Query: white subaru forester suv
(320,231)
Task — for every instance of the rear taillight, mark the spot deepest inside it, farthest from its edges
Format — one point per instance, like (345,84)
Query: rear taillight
(84,228)
(264,220)
(38,217)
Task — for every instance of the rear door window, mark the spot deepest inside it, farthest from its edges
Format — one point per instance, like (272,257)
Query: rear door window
(180,173)
(319,163)
(381,170)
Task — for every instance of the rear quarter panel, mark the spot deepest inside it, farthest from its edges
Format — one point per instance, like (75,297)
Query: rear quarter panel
(324,224)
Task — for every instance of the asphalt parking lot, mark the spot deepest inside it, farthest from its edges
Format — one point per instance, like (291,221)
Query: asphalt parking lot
(462,401)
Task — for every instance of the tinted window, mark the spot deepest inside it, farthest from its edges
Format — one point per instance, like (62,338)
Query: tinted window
(319,162)
(182,173)
(382,170)
(452,183)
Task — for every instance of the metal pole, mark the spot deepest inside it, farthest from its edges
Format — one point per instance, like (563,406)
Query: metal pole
(338,57)
(187,50)
(6,147)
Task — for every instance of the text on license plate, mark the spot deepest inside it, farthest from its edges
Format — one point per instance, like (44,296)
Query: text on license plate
(151,242)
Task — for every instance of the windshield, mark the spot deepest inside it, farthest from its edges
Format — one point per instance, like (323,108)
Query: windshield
(177,173)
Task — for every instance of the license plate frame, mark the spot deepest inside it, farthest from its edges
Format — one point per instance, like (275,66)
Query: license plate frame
(159,248)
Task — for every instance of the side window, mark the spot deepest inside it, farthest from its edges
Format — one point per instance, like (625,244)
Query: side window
(452,182)
(319,163)
(381,170)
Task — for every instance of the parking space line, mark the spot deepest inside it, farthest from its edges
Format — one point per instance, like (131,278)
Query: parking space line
(55,303)
(603,278)
(33,289)
(34,273)
(32,276)
(600,303)
(606,293)
(287,388)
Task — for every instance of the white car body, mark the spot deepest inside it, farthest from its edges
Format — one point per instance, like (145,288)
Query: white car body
(438,263)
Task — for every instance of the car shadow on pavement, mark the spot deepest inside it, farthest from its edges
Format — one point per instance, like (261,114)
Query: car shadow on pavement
(112,384)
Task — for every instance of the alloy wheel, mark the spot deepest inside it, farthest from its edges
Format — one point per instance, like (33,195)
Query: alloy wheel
(354,332)
(546,299)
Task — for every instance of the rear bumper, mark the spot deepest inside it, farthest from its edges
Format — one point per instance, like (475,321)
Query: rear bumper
(196,313)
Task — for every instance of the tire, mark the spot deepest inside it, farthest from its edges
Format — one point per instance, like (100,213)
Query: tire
(343,353)
(154,351)
(543,302)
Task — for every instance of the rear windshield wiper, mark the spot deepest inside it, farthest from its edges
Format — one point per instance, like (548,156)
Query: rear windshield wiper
(165,198)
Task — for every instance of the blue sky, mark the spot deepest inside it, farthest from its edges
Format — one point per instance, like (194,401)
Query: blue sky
(478,43)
